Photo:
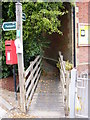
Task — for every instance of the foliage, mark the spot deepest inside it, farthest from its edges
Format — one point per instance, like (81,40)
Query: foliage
(68,65)
(42,18)
(58,65)
(6,7)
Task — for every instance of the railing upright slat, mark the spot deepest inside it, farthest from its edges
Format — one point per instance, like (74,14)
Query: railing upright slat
(64,76)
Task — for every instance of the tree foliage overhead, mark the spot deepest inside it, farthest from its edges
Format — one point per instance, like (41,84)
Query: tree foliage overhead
(42,18)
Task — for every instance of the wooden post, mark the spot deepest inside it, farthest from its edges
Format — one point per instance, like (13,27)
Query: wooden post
(67,93)
(72,93)
(15,86)
(20,56)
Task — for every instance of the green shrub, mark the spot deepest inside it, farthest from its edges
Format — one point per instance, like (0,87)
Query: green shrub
(42,18)
(68,65)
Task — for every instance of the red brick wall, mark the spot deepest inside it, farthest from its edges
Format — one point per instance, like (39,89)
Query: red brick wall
(82,54)
(83,16)
(83,12)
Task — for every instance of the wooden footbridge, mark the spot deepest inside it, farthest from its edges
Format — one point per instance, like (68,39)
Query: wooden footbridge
(50,95)
(47,101)
(45,96)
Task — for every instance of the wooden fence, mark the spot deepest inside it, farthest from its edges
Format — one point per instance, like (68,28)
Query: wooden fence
(64,77)
(32,75)
(74,91)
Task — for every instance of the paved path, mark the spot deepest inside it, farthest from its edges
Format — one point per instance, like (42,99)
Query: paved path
(4,108)
(47,100)
(5,104)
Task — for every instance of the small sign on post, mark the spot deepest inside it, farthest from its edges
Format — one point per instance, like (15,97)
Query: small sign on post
(9,26)
(19,47)
(23,17)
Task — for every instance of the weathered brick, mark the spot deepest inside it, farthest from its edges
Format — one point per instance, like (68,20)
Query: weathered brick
(83,15)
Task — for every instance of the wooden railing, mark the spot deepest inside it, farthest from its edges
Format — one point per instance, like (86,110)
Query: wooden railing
(64,77)
(32,75)
(74,91)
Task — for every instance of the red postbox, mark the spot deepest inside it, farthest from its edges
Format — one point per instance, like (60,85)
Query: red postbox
(10,51)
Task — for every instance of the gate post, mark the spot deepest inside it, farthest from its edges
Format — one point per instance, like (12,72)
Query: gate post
(72,93)
(19,50)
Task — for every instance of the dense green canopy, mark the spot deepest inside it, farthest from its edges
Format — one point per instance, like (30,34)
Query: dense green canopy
(42,18)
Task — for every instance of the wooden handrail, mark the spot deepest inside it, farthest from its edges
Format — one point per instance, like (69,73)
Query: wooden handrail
(32,75)
(64,77)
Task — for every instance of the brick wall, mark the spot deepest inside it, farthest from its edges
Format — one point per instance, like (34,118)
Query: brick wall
(83,16)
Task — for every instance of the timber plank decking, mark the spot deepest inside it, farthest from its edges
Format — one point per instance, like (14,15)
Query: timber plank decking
(47,99)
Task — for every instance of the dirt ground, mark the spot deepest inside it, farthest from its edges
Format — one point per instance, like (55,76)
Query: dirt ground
(7,93)
(8,83)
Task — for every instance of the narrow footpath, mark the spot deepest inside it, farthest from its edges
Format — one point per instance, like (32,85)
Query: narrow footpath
(47,100)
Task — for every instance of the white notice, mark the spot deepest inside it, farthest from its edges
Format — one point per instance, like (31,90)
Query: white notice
(8,55)
(19,47)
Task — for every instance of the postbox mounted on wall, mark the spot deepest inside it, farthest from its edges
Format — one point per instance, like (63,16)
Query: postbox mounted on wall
(10,51)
